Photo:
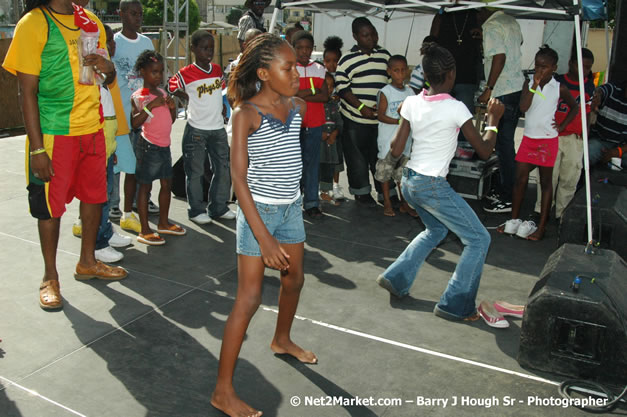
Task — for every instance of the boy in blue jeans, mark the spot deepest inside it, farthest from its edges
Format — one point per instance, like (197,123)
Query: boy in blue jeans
(201,83)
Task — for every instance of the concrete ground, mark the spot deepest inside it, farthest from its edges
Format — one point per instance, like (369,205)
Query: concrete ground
(149,345)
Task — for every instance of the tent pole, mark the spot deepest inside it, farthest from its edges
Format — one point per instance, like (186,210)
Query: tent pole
(608,50)
(275,14)
(584,128)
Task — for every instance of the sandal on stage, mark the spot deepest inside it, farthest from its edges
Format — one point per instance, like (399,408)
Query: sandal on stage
(152,239)
(175,230)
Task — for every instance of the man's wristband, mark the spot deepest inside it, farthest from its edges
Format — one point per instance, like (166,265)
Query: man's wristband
(148,112)
(42,150)
(492,128)
(361,106)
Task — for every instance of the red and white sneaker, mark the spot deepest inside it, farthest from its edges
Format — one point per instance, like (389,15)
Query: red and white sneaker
(492,317)
(507,309)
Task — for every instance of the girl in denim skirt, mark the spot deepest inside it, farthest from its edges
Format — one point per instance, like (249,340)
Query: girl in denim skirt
(435,118)
(266,169)
(154,111)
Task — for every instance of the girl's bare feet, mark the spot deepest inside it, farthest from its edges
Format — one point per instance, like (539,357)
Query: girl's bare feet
(230,404)
(537,235)
(290,348)
(388,210)
(501,228)
(405,208)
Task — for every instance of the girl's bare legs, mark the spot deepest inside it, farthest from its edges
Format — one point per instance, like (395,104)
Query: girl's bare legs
(387,204)
(546,184)
(292,282)
(520,187)
(142,207)
(249,279)
(164,203)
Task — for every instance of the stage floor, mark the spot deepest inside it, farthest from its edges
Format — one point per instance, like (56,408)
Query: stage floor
(149,345)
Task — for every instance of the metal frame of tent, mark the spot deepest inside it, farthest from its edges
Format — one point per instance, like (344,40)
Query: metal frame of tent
(527,9)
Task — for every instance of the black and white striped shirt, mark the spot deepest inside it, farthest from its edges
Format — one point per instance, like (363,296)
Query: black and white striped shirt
(274,159)
(611,124)
(363,75)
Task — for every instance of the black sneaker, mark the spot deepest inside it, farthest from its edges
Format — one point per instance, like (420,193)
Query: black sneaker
(366,200)
(493,196)
(115,213)
(314,212)
(498,206)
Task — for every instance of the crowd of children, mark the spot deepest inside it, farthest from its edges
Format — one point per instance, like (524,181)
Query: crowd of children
(294,123)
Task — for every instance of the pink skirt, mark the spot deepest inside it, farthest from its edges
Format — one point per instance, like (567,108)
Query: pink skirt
(540,152)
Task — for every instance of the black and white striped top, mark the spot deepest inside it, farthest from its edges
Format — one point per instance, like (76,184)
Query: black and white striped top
(363,75)
(274,159)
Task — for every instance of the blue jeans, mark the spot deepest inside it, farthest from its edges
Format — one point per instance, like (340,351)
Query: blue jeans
(310,138)
(105,230)
(441,209)
(595,150)
(197,144)
(283,221)
(505,144)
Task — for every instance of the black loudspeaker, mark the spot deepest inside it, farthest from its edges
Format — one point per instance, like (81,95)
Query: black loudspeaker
(575,321)
(609,214)
(178,179)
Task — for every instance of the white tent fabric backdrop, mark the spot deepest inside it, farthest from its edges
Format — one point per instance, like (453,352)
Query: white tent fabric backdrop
(387,10)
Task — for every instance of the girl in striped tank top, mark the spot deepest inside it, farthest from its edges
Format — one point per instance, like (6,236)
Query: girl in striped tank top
(266,168)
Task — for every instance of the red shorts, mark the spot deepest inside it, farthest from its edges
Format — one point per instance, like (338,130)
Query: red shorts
(80,170)
(540,152)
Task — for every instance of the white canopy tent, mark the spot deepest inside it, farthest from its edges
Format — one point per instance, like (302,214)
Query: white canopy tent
(527,9)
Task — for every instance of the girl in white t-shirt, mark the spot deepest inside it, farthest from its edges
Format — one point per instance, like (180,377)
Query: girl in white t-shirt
(539,146)
(435,118)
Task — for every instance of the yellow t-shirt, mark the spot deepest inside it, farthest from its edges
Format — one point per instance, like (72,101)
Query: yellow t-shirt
(45,44)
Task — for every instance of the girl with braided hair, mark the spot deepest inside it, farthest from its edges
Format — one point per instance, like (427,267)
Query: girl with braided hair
(435,118)
(266,169)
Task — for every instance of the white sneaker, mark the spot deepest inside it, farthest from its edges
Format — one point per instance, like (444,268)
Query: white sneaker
(337,192)
(229,215)
(511,226)
(526,228)
(202,218)
(108,255)
(119,241)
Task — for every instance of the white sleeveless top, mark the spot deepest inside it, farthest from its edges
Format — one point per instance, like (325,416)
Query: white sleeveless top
(541,114)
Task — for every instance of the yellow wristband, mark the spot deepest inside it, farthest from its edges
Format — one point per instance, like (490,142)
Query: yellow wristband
(37,151)
(492,128)
(537,92)
(148,112)
(400,120)
(361,106)
(313,89)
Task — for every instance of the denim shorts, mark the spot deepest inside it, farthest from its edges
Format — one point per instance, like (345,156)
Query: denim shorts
(284,222)
(153,162)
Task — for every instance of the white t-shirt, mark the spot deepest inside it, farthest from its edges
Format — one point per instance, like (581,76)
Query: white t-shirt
(435,122)
(540,116)
(204,89)
(108,110)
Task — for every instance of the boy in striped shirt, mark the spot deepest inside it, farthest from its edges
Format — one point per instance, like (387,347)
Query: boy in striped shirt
(361,73)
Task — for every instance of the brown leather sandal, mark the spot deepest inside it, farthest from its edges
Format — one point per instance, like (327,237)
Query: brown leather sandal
(50,295)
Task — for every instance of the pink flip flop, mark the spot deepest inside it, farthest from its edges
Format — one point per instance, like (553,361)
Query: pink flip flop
(507,309)
(492,317)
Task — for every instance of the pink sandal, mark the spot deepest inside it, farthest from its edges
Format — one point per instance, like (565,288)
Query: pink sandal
(508,309)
